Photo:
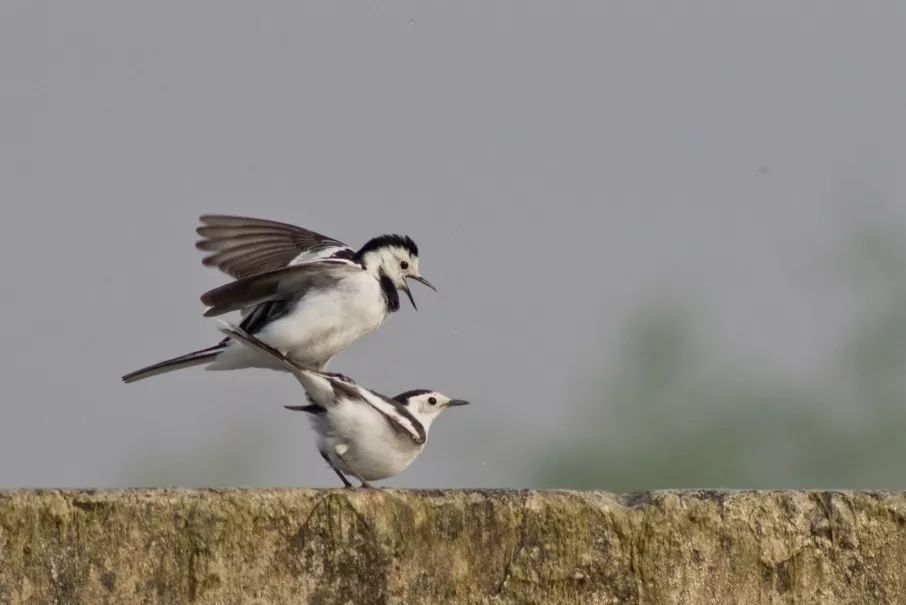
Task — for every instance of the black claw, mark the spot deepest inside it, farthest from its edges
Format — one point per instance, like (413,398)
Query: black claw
(339,376)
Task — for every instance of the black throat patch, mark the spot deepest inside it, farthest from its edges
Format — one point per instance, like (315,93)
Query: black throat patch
(391,296)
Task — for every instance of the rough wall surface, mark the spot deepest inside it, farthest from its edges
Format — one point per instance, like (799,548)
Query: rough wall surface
(410,547)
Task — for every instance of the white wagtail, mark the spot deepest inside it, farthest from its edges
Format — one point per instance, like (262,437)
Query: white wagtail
(308,295)
(360,432)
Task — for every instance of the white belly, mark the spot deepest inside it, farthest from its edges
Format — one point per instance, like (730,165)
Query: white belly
(322,324)
(360,443)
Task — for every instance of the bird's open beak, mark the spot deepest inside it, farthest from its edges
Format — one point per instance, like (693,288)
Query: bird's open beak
(409,294)
(458,402)
(422,280)
(419,279)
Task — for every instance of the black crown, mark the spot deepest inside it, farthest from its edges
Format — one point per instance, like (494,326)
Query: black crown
(405,397)
(384,241)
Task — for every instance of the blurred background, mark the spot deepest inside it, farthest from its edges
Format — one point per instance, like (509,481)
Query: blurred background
(668,239)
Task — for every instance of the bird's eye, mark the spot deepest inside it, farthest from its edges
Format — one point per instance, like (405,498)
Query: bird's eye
(404,265)
(432,400)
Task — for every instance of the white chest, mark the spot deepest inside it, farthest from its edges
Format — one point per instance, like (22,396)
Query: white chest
(325,322)
(368,447)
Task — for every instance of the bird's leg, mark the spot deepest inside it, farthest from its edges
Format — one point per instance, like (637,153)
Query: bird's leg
(341,449)
(346,483)
(342,477)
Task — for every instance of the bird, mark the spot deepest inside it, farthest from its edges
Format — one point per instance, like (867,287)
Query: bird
(306,294)
(360,432)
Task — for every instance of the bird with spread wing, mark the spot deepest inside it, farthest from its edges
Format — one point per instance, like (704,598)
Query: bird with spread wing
(306,295)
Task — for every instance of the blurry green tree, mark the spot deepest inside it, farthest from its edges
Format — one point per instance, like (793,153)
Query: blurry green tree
(678,411)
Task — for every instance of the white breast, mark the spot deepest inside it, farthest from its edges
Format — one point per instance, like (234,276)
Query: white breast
(322,324)
(373,450)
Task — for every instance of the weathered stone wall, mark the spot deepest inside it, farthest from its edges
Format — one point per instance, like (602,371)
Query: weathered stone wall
(410,547)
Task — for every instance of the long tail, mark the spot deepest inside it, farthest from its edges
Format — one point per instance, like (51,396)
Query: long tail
(177,363)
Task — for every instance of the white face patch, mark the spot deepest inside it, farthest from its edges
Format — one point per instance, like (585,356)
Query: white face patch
(340,449)
(425,410)
(390,260)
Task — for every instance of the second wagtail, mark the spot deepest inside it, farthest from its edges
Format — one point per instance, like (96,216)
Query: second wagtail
(361,433)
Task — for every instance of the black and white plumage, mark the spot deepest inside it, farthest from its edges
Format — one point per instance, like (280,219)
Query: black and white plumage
(360,432)
(308,295)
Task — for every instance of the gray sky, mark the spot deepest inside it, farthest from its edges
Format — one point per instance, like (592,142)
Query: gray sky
(558,163)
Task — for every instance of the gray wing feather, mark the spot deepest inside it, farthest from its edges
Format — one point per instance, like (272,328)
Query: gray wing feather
(288,283)
(243,246)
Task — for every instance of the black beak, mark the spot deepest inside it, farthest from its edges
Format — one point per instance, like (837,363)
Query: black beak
(409,294)
(422,280)
(458,402)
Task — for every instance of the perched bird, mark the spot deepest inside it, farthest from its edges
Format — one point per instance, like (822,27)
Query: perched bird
(360,432)
(307,295)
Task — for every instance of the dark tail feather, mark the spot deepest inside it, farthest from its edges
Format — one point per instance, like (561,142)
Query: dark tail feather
(177,363)
(311,409)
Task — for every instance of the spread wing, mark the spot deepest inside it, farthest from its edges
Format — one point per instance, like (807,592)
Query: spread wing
(289,283)
(242,246)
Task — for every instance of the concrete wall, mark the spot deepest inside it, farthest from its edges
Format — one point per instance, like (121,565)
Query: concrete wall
(411,547)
